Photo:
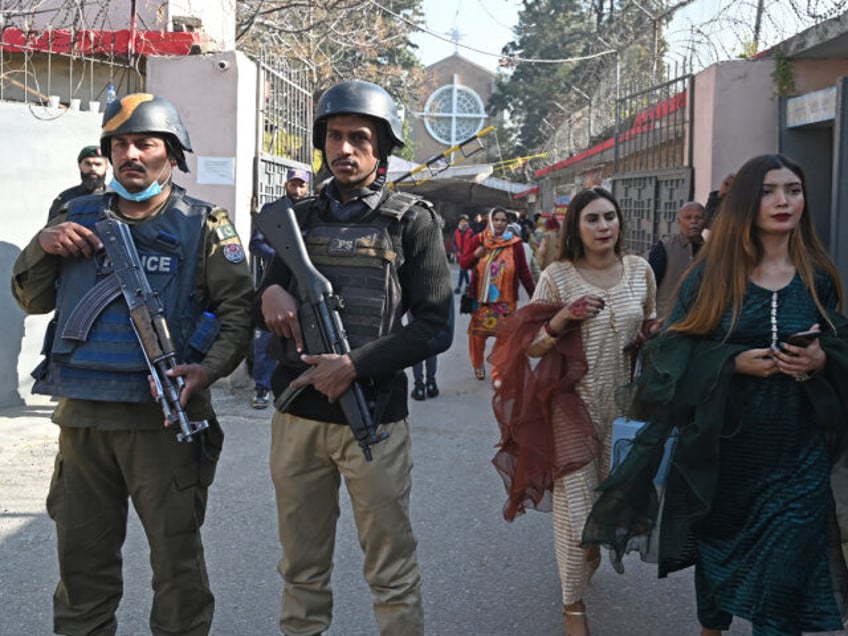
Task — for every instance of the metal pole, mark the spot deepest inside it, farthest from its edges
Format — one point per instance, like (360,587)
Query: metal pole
(617,129)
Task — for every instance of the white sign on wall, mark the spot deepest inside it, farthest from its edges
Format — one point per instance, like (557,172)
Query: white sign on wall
(811,108)
(216,170)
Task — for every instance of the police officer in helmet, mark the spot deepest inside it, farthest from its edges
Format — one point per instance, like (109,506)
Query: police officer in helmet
(112,443)
(379,249)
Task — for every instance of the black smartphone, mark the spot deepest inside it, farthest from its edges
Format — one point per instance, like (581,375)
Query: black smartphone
(803,338)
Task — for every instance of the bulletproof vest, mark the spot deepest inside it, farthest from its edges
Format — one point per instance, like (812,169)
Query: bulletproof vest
(361,260)
(109,364)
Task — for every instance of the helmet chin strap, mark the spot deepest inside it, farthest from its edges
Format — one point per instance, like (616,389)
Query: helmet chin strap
(354,189)
(170,178)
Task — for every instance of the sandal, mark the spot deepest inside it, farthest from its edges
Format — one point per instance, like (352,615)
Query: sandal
(575,614)
(480,373)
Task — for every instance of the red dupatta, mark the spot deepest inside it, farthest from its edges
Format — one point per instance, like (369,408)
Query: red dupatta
(534,449)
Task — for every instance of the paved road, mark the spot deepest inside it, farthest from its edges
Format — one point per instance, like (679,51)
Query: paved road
(482,576)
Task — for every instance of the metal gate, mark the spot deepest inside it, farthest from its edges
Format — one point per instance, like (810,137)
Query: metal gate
(283,133)
(649,204)
(284,127)
(652,174)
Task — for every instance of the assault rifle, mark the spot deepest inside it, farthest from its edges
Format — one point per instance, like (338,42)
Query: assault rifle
(318,315)
(147,316)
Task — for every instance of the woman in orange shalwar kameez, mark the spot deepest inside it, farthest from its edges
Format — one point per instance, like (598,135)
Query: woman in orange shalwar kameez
(496,258)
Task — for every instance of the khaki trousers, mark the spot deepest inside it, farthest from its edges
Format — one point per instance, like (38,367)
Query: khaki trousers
(308,459)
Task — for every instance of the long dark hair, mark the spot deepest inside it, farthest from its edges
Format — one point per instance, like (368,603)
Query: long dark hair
(735,248)
(571,247)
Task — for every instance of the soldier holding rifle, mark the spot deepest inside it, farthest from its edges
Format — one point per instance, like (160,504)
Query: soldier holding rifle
(184,282)
(383,254)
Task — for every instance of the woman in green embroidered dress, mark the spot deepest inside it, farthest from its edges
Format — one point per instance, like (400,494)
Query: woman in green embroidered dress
(748,498)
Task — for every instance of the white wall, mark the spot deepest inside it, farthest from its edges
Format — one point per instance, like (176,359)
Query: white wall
(38,159)
(218,107)
(218,16)
(735,119)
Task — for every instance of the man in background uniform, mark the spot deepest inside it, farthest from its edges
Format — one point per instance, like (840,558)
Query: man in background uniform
(112,442)
(379,249)
(92,167)
(297,187)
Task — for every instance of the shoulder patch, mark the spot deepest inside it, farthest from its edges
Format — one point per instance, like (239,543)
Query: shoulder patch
(225,231)
(233,252)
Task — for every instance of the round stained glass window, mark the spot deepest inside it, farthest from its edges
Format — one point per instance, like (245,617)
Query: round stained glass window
(453,114)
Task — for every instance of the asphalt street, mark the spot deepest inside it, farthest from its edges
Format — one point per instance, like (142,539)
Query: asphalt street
(481,575)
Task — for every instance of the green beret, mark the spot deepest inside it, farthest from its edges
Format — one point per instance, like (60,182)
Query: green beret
(89,151)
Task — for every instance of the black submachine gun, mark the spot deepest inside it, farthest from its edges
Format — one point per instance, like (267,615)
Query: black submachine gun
(318,315)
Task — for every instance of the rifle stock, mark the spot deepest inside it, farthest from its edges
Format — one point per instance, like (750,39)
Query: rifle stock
(318,315)
(147,316)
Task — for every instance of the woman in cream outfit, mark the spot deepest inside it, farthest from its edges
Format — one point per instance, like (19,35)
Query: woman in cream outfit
(611,297)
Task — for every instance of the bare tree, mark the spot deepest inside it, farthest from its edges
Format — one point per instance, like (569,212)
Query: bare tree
(337,39)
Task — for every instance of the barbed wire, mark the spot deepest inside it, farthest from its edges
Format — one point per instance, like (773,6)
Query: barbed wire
(785,17)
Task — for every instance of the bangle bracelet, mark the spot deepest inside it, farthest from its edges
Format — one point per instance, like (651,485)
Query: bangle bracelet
(802,377)
(550,331)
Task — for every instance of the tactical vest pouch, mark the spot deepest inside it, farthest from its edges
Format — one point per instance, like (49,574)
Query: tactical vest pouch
(201,341)
(40,372)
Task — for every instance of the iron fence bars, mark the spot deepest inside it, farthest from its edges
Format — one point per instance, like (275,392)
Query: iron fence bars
(284,126)
(652,165)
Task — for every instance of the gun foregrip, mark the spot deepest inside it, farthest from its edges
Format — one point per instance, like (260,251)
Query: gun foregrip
(313,337)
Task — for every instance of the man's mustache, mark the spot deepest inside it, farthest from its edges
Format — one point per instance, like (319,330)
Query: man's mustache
(130,165)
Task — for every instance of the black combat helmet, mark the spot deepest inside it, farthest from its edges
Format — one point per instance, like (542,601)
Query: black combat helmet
(356,97)
(146,113)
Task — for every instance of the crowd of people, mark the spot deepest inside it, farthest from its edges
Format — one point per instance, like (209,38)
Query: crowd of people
(729,337)
(741,339)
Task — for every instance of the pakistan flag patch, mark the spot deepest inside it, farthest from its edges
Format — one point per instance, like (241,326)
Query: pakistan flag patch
(225,232)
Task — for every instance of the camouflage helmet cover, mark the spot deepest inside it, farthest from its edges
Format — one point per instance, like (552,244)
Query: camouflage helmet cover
(145,113)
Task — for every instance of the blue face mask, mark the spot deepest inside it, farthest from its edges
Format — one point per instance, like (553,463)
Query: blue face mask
(148,193)
(507,235)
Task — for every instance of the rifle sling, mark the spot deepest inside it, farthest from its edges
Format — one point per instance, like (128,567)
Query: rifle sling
(285,399)
(384,396)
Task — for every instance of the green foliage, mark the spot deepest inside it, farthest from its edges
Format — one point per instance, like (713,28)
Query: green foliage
(749,50)
(536,96)
(547,29)
(784,81)
(408,150)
